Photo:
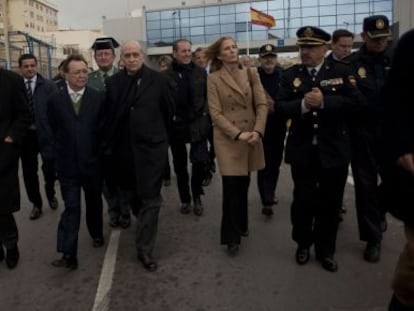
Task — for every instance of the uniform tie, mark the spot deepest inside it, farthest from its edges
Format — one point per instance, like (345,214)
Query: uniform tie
(313,73)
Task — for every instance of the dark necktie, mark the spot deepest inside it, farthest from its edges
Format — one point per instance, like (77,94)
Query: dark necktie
(313,74)
(30,97)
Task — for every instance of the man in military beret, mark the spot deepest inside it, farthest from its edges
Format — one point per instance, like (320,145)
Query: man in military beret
(319,97)
(274,138)
(117,199)
(370,65)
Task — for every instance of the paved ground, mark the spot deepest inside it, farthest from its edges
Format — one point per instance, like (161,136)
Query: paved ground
(195,273)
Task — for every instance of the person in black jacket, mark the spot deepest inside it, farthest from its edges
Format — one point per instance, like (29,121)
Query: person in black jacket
(397,163)
(320,97)
(370,65)
(191,125)
(15,118)
(139,106)
(274,138)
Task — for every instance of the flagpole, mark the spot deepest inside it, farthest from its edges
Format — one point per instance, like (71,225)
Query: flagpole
(247,38)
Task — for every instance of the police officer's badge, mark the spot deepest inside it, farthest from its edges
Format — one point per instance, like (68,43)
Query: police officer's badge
(268,48)
(297,82)
(379,23)
(362,72)
(308,32)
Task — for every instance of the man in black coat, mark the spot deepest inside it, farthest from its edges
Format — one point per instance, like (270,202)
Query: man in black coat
(14,120)
(371,64)
(140,110)
(320,97)
(190,118)
(76,118)
(274,138)
(38,137)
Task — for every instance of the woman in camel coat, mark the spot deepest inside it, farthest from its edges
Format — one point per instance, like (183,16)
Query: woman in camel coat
(238,110)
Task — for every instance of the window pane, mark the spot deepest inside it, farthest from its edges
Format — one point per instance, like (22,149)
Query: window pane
(346,9)
(211,10)
(259,35)
(362,7)
(226,9)
(167,14)
(154,34)
(227,19)
(168,23)
(295,13)
(197,39)
(196,22)
(153,25)
(212,20)
(228,28)
(382,6)
(327,10)
(327,20)
(310,21)
(212,38)
(345,20)
(185,32)
(295,4)
(242,7)
(153,16)
(313,11)
(242,17)
(327,2)
(196,12)
(167,33)
(308,3)
(184,13)
(184,22)
(195,31)
(214,29)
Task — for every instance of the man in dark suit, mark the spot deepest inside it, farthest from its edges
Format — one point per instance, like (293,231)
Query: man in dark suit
(319,96)
(76,118)
(15,119)
(139,110)
(38,137)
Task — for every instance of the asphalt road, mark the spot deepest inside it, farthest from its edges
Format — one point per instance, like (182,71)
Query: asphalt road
(195,273)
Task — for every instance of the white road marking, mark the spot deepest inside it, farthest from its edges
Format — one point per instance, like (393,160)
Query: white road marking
(350,180)
(105,281)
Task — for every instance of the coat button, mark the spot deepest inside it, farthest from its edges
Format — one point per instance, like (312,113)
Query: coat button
(315,126)
(315,113)
(132,108)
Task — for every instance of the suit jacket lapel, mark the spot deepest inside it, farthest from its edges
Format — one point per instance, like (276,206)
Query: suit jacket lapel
(228,79)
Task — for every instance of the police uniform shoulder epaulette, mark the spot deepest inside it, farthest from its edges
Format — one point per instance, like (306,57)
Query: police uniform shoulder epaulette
(290,67)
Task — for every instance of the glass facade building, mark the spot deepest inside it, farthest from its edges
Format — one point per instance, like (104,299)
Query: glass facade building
(204,24)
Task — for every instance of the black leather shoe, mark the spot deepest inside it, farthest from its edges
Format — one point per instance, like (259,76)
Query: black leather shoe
(98,242)
(328,263)
(67,261)
(36,213)
(114,222)
(245,233)
(124,222)
(372,252)
(53,203)
(267,210)
(185,208)
(302,255)
(12,257)
(1,253)
(233,248)
(198,207)
(148,262)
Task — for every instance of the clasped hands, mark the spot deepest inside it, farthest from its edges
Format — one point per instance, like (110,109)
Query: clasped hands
(313,99)
(251,138)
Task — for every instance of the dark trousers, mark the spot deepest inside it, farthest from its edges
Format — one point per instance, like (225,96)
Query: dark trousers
(198,159)
(167,171)
(273,146)
(68,229)
(29,157)
(147,223)
(235,212)
(9,235)
(317,199)
(365,173)
(117,200)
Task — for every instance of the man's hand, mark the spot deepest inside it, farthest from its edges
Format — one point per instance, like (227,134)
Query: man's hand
(406,161)
(314,98)
(8,140)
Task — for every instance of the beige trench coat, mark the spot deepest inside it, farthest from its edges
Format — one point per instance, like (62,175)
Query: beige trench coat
(232,112)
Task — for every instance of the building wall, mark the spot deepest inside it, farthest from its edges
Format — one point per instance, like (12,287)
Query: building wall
(32,16)
(404,15)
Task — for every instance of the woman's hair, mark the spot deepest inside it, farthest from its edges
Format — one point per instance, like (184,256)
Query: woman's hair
(212,51)
(165,60)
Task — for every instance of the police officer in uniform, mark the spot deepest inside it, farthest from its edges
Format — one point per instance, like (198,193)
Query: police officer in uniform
(370,64)
(274,138)
(319,96)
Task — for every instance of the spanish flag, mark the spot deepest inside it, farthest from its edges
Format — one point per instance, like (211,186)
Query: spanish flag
(260,18)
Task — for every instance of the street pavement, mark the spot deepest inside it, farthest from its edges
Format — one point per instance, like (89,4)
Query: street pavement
(195,272)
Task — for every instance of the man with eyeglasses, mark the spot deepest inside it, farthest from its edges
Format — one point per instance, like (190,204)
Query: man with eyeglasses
(38,137)
(371,64)
(76,119)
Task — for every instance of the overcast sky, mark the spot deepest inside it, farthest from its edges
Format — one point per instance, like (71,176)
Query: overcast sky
(81,14)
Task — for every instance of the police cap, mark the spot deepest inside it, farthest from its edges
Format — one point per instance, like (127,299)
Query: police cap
(104,43)
(267,49)
(377,26)
(310,35)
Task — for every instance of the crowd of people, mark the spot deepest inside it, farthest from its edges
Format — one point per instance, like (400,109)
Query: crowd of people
(108,133)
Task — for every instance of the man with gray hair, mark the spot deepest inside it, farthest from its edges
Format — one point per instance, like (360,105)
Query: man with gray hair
(139,114)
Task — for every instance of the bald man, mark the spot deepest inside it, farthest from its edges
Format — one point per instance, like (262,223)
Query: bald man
(140,111)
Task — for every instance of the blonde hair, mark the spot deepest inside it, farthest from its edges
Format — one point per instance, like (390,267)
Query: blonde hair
(213,51)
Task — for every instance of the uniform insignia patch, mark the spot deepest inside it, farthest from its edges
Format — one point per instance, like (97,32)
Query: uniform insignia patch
(362,72)
(297,82)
